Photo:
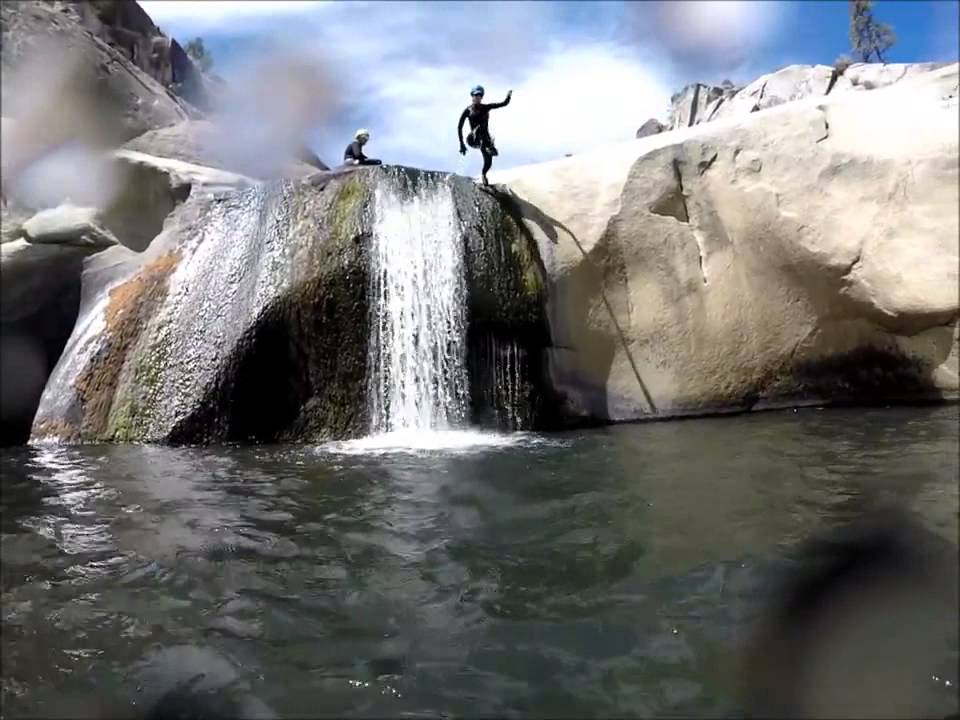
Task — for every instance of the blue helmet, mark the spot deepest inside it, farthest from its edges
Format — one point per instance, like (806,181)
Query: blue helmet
(477,90)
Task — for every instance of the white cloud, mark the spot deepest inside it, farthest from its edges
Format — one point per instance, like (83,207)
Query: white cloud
(717,26)
(405,68)
(568,101)
(221,15)
(408,74)
(580,97)
(707,36)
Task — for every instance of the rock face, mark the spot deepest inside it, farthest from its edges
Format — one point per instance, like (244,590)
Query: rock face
(152,187)
(99,74)
(131,97)
(247,317)
(124,25)
(806,254)
(699,103)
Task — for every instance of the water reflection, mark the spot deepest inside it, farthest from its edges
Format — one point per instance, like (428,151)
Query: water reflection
(611,572)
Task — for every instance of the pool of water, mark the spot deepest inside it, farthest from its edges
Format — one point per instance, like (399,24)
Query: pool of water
(612,572)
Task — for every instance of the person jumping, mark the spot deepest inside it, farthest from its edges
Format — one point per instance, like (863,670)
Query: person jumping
(478,114)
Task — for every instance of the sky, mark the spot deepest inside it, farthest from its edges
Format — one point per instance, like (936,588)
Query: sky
(584,74)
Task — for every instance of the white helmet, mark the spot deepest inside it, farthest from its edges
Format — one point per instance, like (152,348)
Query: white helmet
(362,132)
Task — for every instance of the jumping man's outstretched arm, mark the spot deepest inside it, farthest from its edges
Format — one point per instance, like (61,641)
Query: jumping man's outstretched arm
(494,106)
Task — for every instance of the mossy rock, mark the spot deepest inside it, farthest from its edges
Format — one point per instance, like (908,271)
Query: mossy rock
(295,369)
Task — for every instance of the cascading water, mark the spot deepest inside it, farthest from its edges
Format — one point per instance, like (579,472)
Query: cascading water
(418,374)
(500,367)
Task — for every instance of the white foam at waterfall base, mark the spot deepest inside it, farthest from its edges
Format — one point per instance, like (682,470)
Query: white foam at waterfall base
(417,370)
(430,442)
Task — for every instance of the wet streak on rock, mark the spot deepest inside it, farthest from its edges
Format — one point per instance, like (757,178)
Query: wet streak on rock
(299,372)
(129,307)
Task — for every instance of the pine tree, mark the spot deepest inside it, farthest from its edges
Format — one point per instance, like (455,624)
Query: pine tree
(198,52)
(867,36)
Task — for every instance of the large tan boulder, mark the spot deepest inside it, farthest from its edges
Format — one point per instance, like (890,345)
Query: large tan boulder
(805,254)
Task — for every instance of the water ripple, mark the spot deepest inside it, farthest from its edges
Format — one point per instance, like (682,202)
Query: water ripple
(614,572)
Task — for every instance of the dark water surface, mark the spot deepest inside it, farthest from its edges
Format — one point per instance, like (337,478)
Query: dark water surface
(601,573)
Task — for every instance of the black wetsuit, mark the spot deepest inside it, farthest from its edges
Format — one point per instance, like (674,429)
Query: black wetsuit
(479,137)
(353,155)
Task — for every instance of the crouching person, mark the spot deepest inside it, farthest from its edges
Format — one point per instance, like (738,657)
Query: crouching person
(353,155)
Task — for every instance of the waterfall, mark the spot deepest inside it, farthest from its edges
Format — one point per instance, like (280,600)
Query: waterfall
(288,310)
(418,304)
(501,369)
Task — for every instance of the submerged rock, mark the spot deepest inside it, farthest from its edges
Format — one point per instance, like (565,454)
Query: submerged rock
(807,254)
(193,681)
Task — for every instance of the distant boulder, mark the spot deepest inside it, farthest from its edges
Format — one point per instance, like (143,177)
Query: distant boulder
(651,127)
(698,103)
(202,142)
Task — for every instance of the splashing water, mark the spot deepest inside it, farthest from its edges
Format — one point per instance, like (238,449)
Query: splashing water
(418,376)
